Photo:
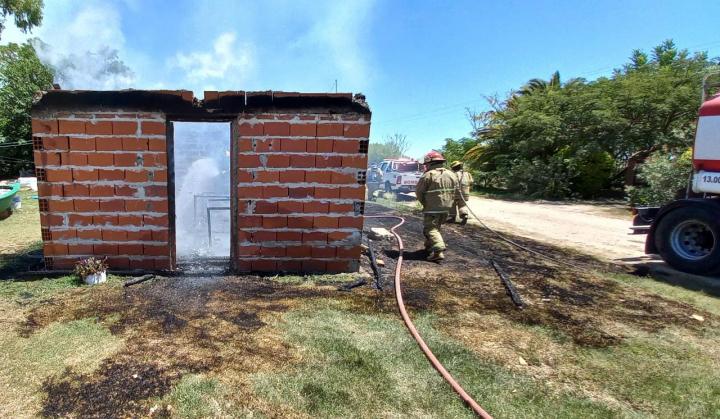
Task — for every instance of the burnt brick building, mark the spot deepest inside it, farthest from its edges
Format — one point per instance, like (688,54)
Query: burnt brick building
(105,169)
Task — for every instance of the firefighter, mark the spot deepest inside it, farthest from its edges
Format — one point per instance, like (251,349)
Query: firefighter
(376,173)
(462,194)
(436,193)
(374,181)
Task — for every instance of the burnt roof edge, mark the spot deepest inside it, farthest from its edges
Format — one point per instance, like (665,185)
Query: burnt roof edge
(182,101)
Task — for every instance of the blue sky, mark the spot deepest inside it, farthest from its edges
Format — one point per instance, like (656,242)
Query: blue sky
(420,63)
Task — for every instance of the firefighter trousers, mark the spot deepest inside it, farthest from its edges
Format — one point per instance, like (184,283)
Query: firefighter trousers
(431,229)
(459,207)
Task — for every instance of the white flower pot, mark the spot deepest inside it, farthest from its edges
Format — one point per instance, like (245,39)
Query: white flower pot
(97,278)
(16,202)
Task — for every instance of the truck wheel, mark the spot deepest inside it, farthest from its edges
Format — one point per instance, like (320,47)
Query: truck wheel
(687,239)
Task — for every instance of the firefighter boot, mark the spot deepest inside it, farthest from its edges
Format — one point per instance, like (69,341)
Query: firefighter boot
(436,256)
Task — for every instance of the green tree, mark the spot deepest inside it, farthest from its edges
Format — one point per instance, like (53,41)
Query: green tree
(392,147)
(22,75)
(540,85)
(664,176)
(454,150)
(580,138)
(655,99)
(27,14)
(541,145)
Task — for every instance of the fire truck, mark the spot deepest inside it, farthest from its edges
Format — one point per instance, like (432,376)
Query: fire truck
(400,175)
(686,232)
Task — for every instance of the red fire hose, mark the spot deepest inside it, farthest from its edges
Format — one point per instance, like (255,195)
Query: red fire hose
(413,331)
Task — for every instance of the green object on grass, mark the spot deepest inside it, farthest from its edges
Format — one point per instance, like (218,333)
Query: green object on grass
(7,192)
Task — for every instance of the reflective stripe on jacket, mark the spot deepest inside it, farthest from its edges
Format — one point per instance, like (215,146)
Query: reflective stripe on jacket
(436,190)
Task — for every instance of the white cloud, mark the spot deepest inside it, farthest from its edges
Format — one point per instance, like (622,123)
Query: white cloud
(338,34)
(296,45)
(227,60)
(93,27)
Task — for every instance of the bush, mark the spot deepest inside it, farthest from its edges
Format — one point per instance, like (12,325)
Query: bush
(594,175)
(90,266)
(540,178)
(664,176)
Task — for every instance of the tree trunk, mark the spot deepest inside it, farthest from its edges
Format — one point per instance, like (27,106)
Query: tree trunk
(630,170)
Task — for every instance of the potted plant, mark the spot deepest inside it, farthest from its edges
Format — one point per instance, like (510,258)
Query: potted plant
(92,270)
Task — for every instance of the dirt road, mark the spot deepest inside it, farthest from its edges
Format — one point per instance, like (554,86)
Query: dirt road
(600,230)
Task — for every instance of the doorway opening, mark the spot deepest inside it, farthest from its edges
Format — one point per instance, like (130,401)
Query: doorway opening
(201,160)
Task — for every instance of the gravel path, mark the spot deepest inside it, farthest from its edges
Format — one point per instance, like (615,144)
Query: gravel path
(600,230)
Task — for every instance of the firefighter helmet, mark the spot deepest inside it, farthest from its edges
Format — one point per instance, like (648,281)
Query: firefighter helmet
(456,165)
(433,156)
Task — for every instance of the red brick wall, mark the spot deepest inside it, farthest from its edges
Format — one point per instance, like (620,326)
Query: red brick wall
(300,189)
(102,185)
(299,186)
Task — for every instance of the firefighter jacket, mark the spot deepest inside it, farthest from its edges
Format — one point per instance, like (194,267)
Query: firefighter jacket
(466,181)
(436,190)
(375,176)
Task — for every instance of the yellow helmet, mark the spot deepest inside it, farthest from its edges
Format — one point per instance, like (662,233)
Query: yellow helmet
(456,164)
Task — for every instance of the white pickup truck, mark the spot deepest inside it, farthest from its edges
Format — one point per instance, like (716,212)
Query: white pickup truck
(400,175)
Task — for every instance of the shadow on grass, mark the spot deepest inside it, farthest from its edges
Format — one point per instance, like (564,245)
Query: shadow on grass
(661,272)
(26,259)
(420,254)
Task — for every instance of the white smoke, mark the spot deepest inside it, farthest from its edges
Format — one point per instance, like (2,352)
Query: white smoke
(198,180)
(87,55)
(83,42)
(202,174)
(90,70)
(226,59)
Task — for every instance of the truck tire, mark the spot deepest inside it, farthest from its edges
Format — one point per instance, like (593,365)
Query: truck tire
(687,239)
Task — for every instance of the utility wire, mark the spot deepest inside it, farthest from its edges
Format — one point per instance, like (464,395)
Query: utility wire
(14,160)
(449,108)
(445,108)
(14,141)
(14,145)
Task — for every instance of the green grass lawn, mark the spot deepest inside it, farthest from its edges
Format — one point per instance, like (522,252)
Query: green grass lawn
(20,241)
(293,346)
(367,363)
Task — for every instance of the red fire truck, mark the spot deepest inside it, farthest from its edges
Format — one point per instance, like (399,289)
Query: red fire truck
(686,232)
